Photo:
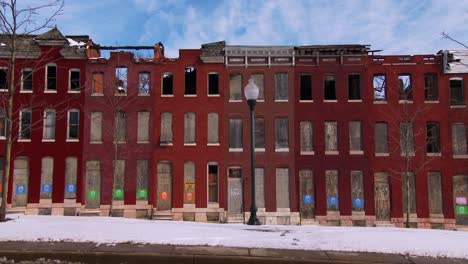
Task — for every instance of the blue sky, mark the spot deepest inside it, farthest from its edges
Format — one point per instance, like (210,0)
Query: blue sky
(397,27)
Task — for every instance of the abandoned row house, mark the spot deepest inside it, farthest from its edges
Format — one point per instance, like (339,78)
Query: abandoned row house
(339,131)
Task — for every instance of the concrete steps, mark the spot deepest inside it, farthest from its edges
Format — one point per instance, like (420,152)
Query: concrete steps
(162,215)
(235,219)
(90,213)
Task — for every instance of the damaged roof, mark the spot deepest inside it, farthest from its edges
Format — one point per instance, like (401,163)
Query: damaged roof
(455,61)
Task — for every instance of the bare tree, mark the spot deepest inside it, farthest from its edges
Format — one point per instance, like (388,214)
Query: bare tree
(15,22)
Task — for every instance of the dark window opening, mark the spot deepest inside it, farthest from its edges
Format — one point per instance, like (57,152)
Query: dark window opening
(405,87)
(259,133)
(306,87)
(3,78)
(329,85)
(431,92)
(25,129)
(167,84)
(73,124)
(190,81)
(456,92)
(74,80)
(27,80)
(433,137)
(354,86)
(213,84)
(51,77)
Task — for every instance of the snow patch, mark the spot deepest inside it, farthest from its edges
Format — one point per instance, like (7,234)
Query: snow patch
(74,43)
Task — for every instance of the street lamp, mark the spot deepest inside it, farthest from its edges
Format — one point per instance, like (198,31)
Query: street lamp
(251,94)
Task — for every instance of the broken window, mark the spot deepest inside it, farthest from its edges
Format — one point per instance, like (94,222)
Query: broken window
(121,80)
(259,133)
(74,82)
(3,78)
(49,125)
(26,80)
(435,192)
(282,188)
(213,128)
(355,136)
(51,72)
(459,139)
(306,137)
(96,127)
(431,92)
(120,126)
(281,86)
(142,180)
(235,87)
(143,127)
(405,87)
(213,83)
(235,133)
(406,138)
(306,87)
(259,81)
(190,81)
(167,83)
(381,137)
(189,128)
(119,180)
(189,182)
(25,125)
(166,128)
(98,83)
(3,124)
(329,86)
(331,136)
(456,91)
(281,133)
(213,182)
(433,137)
(144,83)
(71,167)
(380,87)
(354,86)
(411,193)
(47,172)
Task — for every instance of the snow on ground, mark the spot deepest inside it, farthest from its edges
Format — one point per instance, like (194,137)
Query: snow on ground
(107,230)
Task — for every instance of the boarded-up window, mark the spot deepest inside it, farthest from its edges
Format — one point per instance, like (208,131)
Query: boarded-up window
(405,87)
(93,183)
(51,72)
(96,127)
(98,83)
(459,139)
(307,194)
(355,136)
(166,128)
(235,87)
(120,126)
(381,137)
(435,193)
(119,179)
(409,192)
(121,78)
(2,174)
(406,138)
(281,133)
(260,187)
(74,82)
(456,91)
(331,136)
(433,137)
(460,198)
(213,83)
(144,83)
(332,190)
(213,172)
(73,124)
(49,124)
(235,133)
(20,182)
(47,172)
(213,128)
(306,137)
(357,190)
(143,126)
(142,180)
(167,83)
(189,182)
(25,125)
(282,188)
(382,196)
(164,180)
(354,86)
(306,87)
(281,86)
(259,133)
(71,170)
(259,81)
(190,81)
(431,91)
(189,128)
(380,87)
(26,78)
(329,86)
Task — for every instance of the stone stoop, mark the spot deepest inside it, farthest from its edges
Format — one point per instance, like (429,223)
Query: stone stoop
(384,224)
(235,218)
(89,212)
(162,215)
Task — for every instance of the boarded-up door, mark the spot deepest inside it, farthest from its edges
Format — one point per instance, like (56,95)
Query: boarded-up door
(20,182)
(382,196)
(460,196)
(164,185)
(235,191)
(93,184)
(307,198)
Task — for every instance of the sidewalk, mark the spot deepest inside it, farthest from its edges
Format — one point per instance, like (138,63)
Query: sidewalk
(150,253)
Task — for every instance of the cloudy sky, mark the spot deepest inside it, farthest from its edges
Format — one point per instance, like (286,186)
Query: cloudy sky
(403,27)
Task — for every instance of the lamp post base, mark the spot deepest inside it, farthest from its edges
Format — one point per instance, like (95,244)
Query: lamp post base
(253,220)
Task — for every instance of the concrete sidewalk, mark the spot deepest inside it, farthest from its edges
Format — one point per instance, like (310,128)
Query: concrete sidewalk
(146,253)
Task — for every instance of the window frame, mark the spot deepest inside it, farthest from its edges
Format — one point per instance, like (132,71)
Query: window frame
(44,139)
(22,81)
(234,100)
(208,85)
(124,81)
(235,148)
(405,94)
(383,85)
(301,100)
(20,131)
(461,103)
(436,88)
(46,87)
(70,81)
(93,90)
(148,93)
(325,99)
(359,87)
(279,100)
(277,133)
(172,84)
(69,125)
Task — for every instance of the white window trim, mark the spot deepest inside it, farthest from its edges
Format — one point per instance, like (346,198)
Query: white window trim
(69,80)
(382,154)
(354,100)
(190,144)
(68,126)
(30,124)
(356,152)
(306,101)
(380,101)
(405,101)
(166,144)
(44,126)
(190,95)
(213,144)
(56,78)
(458,106)
(208,85)
(22,74)
(236,149)
(281,100)
(434,154)
(259,149)
(281,149)
(431,102)
(460,156)
(330,101)
(235,101)
(332,152)
(307,152)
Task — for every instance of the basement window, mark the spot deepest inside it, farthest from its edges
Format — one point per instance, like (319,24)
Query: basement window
(306,87)
(121,80)
(354,87)
(213,83)
(329,84)
(190,81)
(405,88)
(167,84)
(430,87)
(380,87)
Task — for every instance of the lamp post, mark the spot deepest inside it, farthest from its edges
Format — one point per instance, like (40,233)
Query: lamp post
(251,94)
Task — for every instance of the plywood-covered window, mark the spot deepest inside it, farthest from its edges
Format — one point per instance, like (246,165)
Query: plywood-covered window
(381,137)
(142,180)
(47,173)
(259,80)
(306,87)
(306,137)
(143,127)
(332,190)
(235,134)
(281,87)
(459,139)
(431,91)
(20,182)
(166,128)
(260,187)
(119,179)
(435,192)
(355,136)
(96,127)
(433,137)
(213,128)
(120,126)
(49,125)
(409,194)
(259,133)
(235,87)
(282,187)
(281,133)
(98,83)
(331,136)
(71,170)
(189,182)
(357,190)
(93,184)
(189,128)
(406,138)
